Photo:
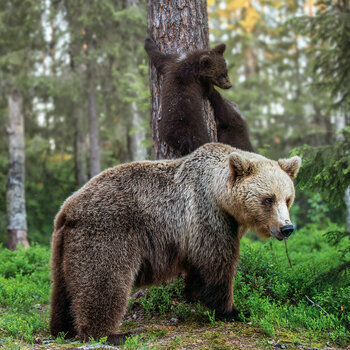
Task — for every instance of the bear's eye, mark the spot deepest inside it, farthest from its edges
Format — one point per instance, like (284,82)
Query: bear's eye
(288,202)
(269,201)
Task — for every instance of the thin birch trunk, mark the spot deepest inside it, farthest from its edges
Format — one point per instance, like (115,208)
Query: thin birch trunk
(80,147)
(95,165)
(138,151)
(15,194)
(340,123)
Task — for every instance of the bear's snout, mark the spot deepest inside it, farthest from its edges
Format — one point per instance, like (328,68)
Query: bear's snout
(287,230)
(225,83)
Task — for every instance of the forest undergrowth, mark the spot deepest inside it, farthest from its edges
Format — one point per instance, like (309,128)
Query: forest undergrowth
(300,305)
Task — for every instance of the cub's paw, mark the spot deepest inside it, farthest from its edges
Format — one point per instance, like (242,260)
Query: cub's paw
(150,44)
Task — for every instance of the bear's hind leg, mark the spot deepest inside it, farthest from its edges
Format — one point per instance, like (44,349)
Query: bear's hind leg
(61,318)
(99,307)
(61,313)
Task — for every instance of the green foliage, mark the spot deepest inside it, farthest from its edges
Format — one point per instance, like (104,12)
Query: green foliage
(132,342)
(326,169)
(48,185)
(276,295)
(21,37)
(329,31)
(339,240)
(45,50)
(159,299)
(24,292)
(271,74)
(168,300)
(61,338)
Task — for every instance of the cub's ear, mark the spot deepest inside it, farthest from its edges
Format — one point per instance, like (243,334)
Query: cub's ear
(205,62)
(220,49)
(239,165)
(290,165)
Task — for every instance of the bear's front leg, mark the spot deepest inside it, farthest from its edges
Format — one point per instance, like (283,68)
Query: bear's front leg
(215,293)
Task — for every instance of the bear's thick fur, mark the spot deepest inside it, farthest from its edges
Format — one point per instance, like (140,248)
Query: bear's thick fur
(232,129)
(182,125)
(144,222)
(188,80)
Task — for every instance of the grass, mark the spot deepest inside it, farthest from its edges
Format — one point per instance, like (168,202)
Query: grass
(24,293)
(276,296)
(279,296)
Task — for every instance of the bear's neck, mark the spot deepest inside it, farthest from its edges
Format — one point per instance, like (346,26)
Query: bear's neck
(187,70)
(226,198)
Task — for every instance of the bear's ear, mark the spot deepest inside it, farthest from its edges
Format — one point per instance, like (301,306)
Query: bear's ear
(239,165)
(220,49)
(290,165)
(205,62)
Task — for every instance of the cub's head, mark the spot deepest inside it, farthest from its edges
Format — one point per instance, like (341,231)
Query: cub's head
(261,192)
(212,67)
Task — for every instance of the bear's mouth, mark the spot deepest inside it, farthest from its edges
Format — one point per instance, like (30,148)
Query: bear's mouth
(276,234)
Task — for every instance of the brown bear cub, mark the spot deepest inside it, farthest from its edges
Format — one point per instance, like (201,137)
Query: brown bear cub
(187,81)
(231,128)
(144,222)
(182,125)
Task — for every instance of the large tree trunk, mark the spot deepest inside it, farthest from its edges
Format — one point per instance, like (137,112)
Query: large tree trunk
(95,165)
(80,147)
(15,195)
(176,27)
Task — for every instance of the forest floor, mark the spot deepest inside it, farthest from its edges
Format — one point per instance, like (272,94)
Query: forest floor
(172,333)
(288,308)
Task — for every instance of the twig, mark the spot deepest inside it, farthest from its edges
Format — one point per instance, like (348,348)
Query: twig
(290,262)
(314,304)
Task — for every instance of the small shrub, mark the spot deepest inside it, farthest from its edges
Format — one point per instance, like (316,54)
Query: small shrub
(275,294)
(132,342)
(160,298)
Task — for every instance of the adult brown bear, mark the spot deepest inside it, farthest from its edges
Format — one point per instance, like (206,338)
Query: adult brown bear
(145,222)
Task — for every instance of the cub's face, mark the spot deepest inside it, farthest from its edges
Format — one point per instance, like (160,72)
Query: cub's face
(262,193)
(213,67)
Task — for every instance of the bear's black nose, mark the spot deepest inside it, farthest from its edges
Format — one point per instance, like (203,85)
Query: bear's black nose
(287,230)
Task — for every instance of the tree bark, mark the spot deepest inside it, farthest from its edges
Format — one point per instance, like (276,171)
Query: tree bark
(340,123)
(177,27)
(80,147)
(15,194)
(347,202)
(95,165)
(137,150)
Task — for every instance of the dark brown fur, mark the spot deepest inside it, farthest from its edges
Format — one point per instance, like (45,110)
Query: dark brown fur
(232,129)
(145,222)
(182,124)
(186,84)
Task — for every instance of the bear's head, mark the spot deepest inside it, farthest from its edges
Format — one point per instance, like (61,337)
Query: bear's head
(261,192)
(213,69)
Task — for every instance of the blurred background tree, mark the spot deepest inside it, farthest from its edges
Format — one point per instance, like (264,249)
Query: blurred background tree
(80,61)
(284,58)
